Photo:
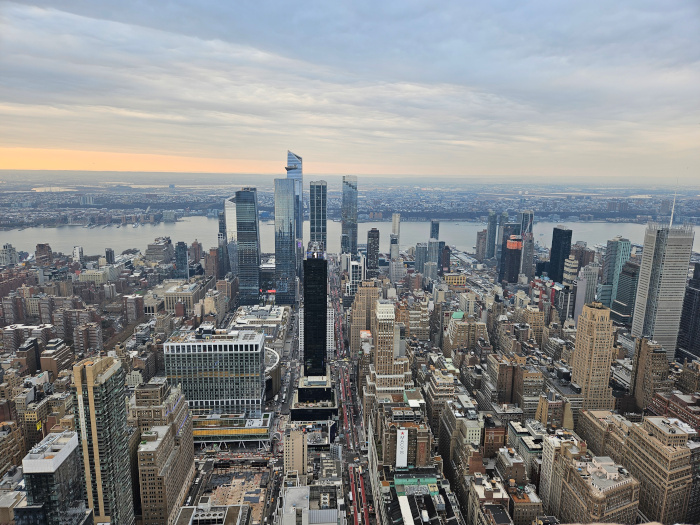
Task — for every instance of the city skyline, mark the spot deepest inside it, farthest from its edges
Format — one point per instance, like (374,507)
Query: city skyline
(615,98)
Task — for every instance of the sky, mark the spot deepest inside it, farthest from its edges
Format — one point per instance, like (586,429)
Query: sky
(546,90)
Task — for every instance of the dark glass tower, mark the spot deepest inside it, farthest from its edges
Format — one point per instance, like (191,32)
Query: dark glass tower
(507,230)
(348,240)
(561,248)
(285,241)
(295,173)
(372,253)
(317,212)
(315,311)
(434,229)
(491,229)
(181,260)
(689,333)
(109,255)
(623,305)
(248,236)
(511,259)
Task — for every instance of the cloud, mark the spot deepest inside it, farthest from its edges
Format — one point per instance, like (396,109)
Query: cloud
(546,88)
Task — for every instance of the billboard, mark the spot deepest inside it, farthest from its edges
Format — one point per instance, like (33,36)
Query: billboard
(402,448)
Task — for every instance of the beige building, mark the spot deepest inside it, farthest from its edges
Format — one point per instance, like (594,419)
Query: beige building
(649,372)
(166,452)
(295,452)
(597,490)
(362,312)
(657,455)
(593,356)
(463,331)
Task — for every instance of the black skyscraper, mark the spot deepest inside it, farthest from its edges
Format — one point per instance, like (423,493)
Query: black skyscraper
(109,255)
(689,332)
(561,248)
(315,311)
(623,304)
(492,227)
(181,260)
(434,229)
(372,253)
(507,229)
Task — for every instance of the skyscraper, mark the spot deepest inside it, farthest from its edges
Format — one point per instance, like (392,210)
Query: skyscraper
(527,219)
(593,356)
(434,229)
(248,243)
(586,285)
(393,246)
(54,481)
(480,248)
(100,410)
(689,333)
(317,212)
(501,236)
(661,287)
(623,305)
(294,172)
(491,228)
(372,253)
(285,241)
(527,261)
(507,231)
(109,255)
(396,225)
(181,260)
(511,260)
(348,242)
(421,256)
(315,311)
(617,253)
(433,251)
(561,248)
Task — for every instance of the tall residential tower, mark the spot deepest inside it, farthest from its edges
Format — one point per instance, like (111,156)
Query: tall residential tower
(348,240)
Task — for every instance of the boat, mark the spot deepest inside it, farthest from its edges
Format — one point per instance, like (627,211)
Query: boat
(136,225)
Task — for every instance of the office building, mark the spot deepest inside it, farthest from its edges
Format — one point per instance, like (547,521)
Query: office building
(586,286)
(393,246)
(372,253)
(593,356)
(661,286)
(480,248)
(181,260)
(508,230)
(527,220)
(527,260)
(77,253)
(433,251)
(501,235)
(348,241)
(294,169)
(434,229)
(559,253)
(315,311)
(623,304)
(100,410)
(689,330)
(109,255)
(220,371)
(617,253)
(160,414)
(54,481)
(285,242)
(318,192)
(295,450)
(491,229)
(657,455)
(248,245)
(421,256)
(649,372)
(597,490)
(510,269)
(396,225)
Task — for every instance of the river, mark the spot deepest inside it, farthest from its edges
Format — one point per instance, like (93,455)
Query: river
(461,234)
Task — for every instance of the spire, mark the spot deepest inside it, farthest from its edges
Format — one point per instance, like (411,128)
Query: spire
(673,208)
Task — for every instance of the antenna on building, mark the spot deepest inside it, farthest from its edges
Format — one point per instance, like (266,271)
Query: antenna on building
(673,208)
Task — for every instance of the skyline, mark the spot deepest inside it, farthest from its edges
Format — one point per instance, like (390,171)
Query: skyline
(540,90)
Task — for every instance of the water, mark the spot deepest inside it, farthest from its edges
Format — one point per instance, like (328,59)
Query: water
(461,234)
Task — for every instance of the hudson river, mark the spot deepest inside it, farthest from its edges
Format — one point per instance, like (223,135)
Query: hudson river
(458,233)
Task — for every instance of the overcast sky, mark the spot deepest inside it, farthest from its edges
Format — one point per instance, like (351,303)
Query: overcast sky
(538,89)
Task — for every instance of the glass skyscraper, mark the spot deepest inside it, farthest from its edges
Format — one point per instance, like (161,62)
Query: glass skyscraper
(372,253)
(294,172)
(348,240)
(491,228)
(617,253)
(285,241)
(317,212)
(248,245)
(181,260)
(434,229)
(561,248)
